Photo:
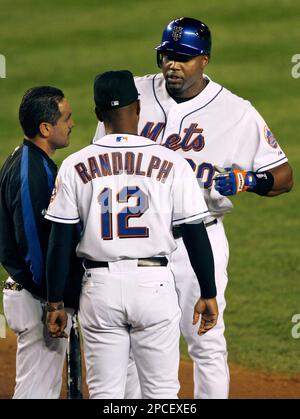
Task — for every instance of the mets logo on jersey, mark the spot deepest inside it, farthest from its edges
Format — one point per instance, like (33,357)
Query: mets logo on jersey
(271,140)
(177,33)
(190,139)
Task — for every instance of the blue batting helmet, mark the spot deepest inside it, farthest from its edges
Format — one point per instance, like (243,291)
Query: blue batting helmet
(186,36)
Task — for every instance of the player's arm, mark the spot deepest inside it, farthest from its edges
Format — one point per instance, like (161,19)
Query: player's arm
(59,254)
(201,258)
(283,179)
(265,183)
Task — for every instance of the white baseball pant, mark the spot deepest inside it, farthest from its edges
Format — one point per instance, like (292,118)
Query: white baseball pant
(125,307)
(208,352)
(40,359)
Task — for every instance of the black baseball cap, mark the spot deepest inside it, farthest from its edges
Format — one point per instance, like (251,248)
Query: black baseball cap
(114,89)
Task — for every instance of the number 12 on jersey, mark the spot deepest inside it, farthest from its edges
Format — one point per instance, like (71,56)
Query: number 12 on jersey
(122,218)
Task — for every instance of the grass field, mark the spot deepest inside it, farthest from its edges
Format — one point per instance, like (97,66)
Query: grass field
(66,43)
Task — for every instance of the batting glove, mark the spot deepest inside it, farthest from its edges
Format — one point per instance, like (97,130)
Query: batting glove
(232,181)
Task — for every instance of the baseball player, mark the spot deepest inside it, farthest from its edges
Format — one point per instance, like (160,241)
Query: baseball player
(186,111)
(128,191)
(26,183)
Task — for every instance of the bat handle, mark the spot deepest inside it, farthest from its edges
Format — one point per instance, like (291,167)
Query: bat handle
(74,368)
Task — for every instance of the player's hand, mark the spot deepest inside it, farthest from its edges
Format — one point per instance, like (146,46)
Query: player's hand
(57,322)
(233,181)
(208,310)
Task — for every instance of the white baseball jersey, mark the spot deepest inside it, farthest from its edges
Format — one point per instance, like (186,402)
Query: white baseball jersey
(126,187)
(214,128)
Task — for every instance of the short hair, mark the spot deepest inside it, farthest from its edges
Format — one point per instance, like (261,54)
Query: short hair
(39,104)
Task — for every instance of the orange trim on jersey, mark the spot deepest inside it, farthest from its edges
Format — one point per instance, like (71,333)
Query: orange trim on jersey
(117,162)
(138,170)
(129,162)
(82,171)
(195,144)
(165,170)
(105,164)
(150,133)
(94,168)
(173,142)
(153,164)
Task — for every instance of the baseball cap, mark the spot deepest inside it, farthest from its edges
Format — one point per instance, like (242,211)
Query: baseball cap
(114,89)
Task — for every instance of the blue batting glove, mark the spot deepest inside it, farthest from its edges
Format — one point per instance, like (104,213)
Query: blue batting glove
(235,181)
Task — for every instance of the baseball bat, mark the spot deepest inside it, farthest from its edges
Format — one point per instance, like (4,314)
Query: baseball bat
(74,370)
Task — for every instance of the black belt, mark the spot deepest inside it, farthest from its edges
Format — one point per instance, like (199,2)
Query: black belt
(177,232)
(146,262)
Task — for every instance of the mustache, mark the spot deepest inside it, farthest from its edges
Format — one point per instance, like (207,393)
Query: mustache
(173,74)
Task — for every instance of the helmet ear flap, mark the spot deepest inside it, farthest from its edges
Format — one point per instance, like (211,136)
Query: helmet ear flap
(159,58)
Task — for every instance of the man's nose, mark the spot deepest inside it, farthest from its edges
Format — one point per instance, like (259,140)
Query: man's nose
(173,64)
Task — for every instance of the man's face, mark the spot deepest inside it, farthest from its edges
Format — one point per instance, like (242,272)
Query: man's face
(183,74)
(60,132)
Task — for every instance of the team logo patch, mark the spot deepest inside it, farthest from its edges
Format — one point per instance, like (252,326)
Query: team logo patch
(121,138)
(271,140)
(177,33)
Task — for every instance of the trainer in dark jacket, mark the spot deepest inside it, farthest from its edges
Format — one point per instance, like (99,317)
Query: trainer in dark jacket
(26,183)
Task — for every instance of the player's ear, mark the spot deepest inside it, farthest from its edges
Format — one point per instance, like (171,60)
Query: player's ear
(98,115)
(45,129)
(205,60)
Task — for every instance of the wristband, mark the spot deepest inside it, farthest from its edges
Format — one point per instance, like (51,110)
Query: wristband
(264,183)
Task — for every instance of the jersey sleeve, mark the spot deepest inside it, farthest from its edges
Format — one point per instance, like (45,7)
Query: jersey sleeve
(258,149)
(100,132)
(188,198)
(63,204)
